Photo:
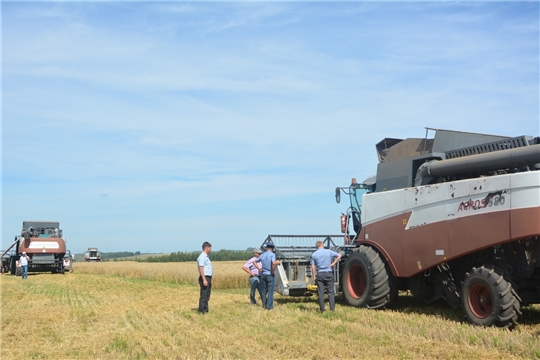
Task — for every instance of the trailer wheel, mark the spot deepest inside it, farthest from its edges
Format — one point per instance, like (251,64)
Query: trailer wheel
(365,279)
(488,299)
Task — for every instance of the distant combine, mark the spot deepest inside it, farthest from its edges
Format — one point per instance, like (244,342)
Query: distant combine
(93,254)
(42,241)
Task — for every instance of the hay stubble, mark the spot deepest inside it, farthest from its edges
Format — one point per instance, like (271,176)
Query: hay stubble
(128,310)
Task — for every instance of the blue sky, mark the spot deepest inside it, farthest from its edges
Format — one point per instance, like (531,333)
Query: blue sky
(146,126)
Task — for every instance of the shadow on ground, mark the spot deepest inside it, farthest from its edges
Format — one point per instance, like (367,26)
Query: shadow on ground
(410,305)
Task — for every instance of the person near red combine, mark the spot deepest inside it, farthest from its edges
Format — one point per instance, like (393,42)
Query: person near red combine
(323,275)
(254,271)
(23,260)
(268,265)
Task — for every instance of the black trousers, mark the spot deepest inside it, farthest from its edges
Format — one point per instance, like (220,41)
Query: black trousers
(205,294)
(326,280)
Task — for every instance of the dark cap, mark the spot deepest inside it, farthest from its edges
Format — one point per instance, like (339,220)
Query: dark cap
(270,245)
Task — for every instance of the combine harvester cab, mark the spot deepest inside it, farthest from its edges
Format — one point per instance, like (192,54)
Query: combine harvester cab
(454,217)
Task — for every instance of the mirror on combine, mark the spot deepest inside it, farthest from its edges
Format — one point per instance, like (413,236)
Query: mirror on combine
(338,195)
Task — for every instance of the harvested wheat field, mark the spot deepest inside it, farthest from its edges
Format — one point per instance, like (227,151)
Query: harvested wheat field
(128,310)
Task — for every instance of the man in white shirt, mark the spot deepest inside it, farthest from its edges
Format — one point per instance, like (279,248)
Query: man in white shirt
(205,277)
(23,260)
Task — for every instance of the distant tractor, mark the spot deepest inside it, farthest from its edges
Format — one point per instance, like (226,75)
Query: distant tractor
(92,255)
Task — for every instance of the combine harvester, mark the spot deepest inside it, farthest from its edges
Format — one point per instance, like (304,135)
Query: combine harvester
(93,254)
(456,217)
(43,243)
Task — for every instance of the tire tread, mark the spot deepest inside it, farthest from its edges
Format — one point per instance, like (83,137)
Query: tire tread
(507,302)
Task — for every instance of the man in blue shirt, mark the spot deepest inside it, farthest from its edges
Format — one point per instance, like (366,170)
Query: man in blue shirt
(323,275)
(268,265)
(204,265)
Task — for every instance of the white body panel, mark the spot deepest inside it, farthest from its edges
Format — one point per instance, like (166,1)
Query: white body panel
(446,201)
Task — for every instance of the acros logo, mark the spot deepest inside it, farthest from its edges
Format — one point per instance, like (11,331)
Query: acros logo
(492,199)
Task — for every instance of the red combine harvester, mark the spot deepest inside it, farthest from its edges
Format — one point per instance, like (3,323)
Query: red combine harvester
(453,217)
(43,243)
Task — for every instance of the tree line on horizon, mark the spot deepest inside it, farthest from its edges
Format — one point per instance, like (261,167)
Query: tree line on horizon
(220,255)
(180,256)
(118,254)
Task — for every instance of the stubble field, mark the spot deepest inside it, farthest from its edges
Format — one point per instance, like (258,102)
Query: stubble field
(129,310)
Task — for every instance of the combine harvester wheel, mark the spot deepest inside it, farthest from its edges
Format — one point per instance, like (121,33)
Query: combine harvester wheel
(365,279)
(488,299)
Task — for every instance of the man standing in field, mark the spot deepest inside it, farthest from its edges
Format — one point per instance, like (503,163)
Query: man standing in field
(254,271)
(205,277)
(268,265)
(323,276)
(23,261)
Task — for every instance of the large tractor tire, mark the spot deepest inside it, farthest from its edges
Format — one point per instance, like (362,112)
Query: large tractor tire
(365,279)
(488,299)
